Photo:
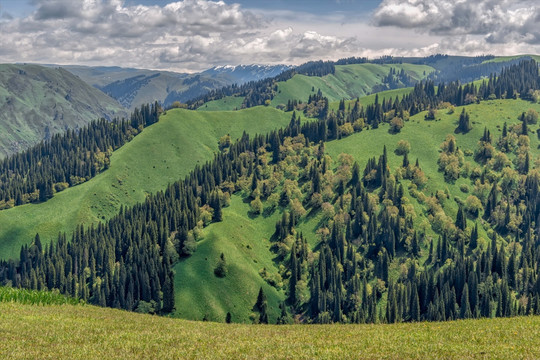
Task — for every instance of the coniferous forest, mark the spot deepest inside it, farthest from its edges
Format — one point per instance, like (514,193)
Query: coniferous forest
(367,224)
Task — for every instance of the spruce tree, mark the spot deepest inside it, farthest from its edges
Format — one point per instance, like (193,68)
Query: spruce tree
(473,243)
(464,125)
(461,219)
(466,312)
(168,294)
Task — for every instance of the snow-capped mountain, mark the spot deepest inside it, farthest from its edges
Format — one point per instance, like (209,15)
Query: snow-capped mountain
(244,73)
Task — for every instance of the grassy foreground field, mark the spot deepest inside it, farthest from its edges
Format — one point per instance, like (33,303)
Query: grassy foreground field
(88,332)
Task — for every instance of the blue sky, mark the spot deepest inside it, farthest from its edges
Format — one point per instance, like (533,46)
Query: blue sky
(192,35)
(358,7)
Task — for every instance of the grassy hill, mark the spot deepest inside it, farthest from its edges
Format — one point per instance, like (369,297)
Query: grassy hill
(514,57)
(349,81)
(246,246)
(161,154)
(195,282)
(169,149)
(88,332)
(37,102)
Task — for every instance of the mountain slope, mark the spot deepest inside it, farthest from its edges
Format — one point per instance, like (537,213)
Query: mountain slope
(133,87)
(161,154)
(67,332)
(36,102)
(196,284)
(348,81)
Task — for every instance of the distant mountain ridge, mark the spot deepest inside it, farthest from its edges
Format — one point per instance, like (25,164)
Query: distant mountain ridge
(133,87)
(244,73)
(37,102)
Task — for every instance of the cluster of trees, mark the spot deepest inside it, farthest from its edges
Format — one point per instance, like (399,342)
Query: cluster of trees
(369,231)
(67,159)
(394,80)
(386,59)
(464,69)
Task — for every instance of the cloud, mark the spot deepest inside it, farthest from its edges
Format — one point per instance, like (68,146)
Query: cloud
(186,35)
(497,21)
(192,35)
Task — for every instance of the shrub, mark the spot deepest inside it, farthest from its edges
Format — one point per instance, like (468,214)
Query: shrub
(221,267)
(403,147)
(396,124)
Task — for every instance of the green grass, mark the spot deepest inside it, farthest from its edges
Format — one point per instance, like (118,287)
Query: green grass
(74,332)
(35,297)
(226,104)
(349,81)
(161,154)
(245,243)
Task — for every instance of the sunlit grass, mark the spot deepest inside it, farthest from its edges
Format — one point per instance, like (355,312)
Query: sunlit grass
(74,332)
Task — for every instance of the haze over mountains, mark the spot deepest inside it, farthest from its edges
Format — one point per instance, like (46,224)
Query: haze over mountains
(133,87)
(37,102)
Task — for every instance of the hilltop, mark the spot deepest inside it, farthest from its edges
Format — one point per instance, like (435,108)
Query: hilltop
(37,102)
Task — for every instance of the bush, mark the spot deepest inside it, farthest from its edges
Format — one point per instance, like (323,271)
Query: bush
(431,114)
(346,129)
(256,206)
(403,147)
(531,116)
(473,205)
(221,267)
(396,124)
(464,188)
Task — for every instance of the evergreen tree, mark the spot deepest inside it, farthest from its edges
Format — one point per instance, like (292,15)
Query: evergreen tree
(464,125)
(168,294)
(466,312)
(461,219)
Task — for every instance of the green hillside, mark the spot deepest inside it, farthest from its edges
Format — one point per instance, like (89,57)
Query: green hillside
(246,246)
(349,81)
(225,104)
(161,154)
(195,283)
(88,332)
(37,102)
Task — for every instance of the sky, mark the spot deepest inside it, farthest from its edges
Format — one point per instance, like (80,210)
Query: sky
(193,35)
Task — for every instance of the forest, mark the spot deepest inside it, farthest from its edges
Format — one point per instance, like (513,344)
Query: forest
(126,262)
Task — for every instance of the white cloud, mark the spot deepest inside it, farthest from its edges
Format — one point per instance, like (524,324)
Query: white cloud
(512,22)
(191,35)
(184,35)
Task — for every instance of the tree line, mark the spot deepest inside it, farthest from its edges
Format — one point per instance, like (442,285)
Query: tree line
(68,159)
